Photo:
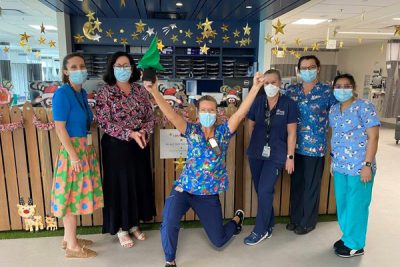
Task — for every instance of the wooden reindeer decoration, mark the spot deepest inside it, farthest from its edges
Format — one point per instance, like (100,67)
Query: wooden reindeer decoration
(27,212)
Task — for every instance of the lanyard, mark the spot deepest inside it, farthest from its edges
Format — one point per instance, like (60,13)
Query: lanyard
(84,106)
(269,115)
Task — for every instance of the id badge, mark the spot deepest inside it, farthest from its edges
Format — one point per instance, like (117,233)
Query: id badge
(89,140)
(266,151)
(214,146)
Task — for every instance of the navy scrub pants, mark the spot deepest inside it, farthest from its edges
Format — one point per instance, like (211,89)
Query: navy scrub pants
(305,188)
(264,174)
(207,207)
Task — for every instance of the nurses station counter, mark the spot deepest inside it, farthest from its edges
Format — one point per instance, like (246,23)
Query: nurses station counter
(29,146)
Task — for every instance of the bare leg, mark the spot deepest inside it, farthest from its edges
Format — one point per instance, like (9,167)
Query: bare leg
(70,232)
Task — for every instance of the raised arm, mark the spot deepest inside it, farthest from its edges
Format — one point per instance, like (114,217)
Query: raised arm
(240,114)
(177,120)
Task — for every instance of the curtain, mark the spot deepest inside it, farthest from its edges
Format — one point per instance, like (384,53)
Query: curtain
(34,72)
(19,78)
(5,70)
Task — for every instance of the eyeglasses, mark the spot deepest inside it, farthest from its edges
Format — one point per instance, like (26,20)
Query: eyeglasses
(343,86)
(314,67)
(126,67)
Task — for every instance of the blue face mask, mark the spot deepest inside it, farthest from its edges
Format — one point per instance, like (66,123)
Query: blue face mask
(122,74)
(78,76)
(308,75)
(342,95)
(207,119)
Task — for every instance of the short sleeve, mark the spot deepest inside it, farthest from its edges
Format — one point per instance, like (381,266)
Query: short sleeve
(369,116)
(332,99)
(223,129)
(190,128)
(61,106)
(293,112)
(252,112)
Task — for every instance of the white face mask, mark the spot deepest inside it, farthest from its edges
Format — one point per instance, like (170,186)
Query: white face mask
(271,90)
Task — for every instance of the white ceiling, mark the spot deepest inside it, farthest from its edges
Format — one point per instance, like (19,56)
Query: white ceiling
(347,15)
(16,23)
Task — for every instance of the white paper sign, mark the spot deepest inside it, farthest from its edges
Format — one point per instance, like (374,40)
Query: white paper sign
(331,44)
(172,145)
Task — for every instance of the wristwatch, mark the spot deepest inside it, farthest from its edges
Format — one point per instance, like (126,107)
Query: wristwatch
(290,156)
(368,164)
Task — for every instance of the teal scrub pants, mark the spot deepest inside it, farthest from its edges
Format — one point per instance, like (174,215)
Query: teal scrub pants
(352,201)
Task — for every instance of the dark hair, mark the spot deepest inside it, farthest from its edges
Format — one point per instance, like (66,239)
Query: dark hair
(274,71)
(345,76)
(64,77)
(206,98)
(109,76)
(307,58)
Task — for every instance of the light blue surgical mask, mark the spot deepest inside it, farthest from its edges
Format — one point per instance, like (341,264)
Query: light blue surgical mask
(342,95)
(122,74)
(207,119)
(308,75)
(78,76)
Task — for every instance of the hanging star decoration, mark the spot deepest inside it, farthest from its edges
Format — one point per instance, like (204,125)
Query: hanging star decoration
(199,40)
(188,34)
(135,36)
(341,43)
(121,30)
(124,41)
(199,26)
(274,51)
(297,55)
(360,40)
(90,16)
(174,38)
(22,43)
(6,49)
(28,49)
(279,27)
(225,38)
(242,42)
(305,49)
(204,49)
(37,54)
(236,33)
(382,48)
(207,25)
(248,41)
(184,42)
(224,28)
(42,28)
(276,41)
(179,163)
(315,47)
(397,30)
(246,30)
(96,25)
(268,38)
(150,31)
(284,47)
(297,41)
(140,26)
(292,52)
(206,34)
(122,3)
(42,40)
(24,37)
(79,38)
(109,33)
(52,44)
(160,45)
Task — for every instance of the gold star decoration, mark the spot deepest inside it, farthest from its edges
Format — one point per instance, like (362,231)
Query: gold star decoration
(382,48)
(225,38)
(248,41)
(224,28)
(135,36)
(122,3)
(179,163)
(341,44)
(242,42)
(140,26)
(206,34)
(199,39)
(28,49)
(42,40)
(213,34)
(124,41)
(279,27)
(315,46)
(397,30)
(6,49)
(268,38)
(90,15)
(25,37)
(292,52)
(174,38)
(274,51)
(297,55)
(37,54)
(188,34)
(246,30)
(276,41)
(297,41)
(42,28)
(284,47)
(79,38)
(52,44)
(236,33)
(204,49)
(305,49)
(109,33)
(22,43)
(160,45)
(96,25)
(199,26)
(207,25)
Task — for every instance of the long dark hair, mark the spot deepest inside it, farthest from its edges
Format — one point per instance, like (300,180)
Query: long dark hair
(109,76)
(64,77)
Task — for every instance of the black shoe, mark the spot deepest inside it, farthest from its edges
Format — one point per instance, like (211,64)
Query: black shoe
(291,226)
(168,264)
(338,244)
(303,230)
(346,252)
(239,226)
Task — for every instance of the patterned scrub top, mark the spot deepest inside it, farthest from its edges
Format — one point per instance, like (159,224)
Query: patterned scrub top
(205,173)
(312,129)
(349,136)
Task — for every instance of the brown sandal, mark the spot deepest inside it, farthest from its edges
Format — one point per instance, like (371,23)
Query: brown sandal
(83,253)
(81,242)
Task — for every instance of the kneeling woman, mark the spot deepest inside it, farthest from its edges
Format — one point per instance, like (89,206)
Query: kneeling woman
(273,122)
(355,134)
(204,175)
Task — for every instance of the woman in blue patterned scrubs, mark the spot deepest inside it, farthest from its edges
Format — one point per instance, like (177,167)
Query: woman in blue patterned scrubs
(204,176)
(355,134)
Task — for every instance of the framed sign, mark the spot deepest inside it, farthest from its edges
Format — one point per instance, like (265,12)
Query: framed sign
(172,144)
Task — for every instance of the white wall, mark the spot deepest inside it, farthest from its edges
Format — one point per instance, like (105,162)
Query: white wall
(362,60)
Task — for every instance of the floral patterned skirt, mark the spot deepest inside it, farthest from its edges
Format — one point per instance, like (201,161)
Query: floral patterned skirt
(76,193)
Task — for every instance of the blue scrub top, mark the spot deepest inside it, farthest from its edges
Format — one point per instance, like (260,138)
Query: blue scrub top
(67,108)
(286,113)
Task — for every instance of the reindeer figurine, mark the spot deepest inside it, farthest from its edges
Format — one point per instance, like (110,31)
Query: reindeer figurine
(27,212)
(51,223)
